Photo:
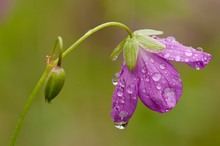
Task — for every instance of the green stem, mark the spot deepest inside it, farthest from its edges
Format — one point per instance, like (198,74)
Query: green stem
(49,67)
(90,32)
(27,106)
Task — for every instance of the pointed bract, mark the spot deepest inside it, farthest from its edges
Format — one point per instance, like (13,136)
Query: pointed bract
(118,50)
(149,43)
(148,32)
(131,52)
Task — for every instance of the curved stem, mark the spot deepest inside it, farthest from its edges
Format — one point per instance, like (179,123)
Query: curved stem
(58,62)
(59,41)
(90,32)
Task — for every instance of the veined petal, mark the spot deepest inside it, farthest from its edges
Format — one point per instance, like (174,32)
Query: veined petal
(160,85)
(125,96)
(177,52)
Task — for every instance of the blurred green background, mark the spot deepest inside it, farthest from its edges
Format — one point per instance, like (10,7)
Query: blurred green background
(80,115)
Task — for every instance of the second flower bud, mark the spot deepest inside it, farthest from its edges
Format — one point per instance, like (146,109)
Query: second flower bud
(54,84)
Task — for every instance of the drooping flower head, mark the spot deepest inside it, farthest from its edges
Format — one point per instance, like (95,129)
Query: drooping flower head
(147,73)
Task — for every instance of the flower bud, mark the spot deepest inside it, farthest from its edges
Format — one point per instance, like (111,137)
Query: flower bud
(54,83)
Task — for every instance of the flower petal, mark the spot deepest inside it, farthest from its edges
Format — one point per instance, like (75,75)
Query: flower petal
(125,96)
(177,52)
(160,85)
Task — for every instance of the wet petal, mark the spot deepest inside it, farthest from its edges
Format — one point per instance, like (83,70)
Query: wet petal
(125,95)
(177,52)
(160,85)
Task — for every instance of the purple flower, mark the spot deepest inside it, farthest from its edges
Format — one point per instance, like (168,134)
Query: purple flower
(152,78)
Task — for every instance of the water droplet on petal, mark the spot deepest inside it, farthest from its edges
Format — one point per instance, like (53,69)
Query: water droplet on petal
(177,58)
(122,83)
(158,86)
(169,96)
(121,125)
(166,55)
(144,70)
(186,59)
(156,77)
(130,89)
(151,60)
(170,39)
(147,78)
(115,79)
(162,66)
(188,52)
(199,49)
(123,114)
(122,101)
(120,92)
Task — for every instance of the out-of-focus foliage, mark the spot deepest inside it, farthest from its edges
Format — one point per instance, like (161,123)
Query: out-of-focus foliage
(80,115)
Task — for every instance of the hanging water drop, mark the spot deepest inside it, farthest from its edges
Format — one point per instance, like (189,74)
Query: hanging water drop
(197,67)
(121,125)
(115,79)
(199,49)
(114,58)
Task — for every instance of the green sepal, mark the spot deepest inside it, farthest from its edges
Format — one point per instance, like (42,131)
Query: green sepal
(131,52)
(148,32)
(118,50)
(149,43)
(54,84)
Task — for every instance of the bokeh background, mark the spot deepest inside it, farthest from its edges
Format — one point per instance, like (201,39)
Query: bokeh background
(80,115)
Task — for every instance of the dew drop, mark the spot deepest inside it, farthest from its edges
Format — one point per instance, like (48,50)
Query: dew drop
(151,60)
(147,78)
(122,101)
(199,49)
(121,125)
(177,58)
(114,58)
(162,66)
(186,59)
(130,89)
(166,55)
(156,77)
(120,92)
(115,79)
(169,96)
(122,83)
(144,70)
(158,86)
(171,39)
(123,114)
(188,53)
